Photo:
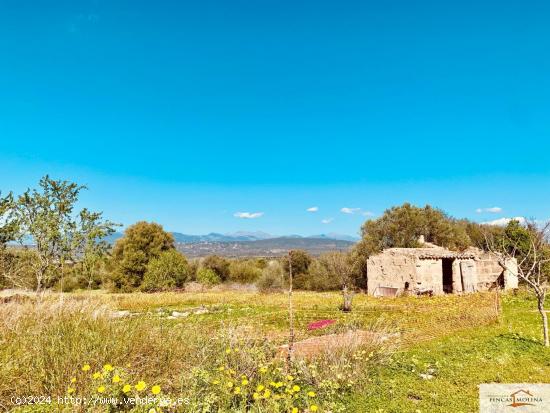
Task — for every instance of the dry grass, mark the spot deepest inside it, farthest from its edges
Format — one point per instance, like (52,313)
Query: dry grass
(44,342)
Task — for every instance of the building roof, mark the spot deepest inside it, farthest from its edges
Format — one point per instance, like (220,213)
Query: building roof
(431,253)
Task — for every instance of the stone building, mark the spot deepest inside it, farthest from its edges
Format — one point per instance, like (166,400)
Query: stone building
(431,269)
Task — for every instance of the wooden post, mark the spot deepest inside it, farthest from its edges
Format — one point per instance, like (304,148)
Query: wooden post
(290,311)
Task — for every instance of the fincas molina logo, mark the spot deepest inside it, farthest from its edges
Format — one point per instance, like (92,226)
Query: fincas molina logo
(520,397)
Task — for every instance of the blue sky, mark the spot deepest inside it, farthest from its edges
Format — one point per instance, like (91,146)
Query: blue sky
(187,113)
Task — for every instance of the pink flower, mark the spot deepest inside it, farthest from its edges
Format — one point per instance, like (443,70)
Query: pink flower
(320,324)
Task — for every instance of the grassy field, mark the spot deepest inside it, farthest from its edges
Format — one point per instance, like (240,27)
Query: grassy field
(218,351)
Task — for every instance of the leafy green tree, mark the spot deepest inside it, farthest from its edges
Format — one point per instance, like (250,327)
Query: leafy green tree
(300,260)
(217,264)
(132,253)
(169,270)
(9,226)
(47,216)
(403,225)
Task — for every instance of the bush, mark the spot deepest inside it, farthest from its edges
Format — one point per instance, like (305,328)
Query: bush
(271,278)
(319,278)
(208,277)
(217,264)
(167,271)
(141,242)
(244,272)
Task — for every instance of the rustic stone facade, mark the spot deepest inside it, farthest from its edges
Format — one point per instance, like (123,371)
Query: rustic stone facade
(436,270)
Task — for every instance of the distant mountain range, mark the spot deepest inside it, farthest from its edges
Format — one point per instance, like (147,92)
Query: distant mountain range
(242,236)
(269,247)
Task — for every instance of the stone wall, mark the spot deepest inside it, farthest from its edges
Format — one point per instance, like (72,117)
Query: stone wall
(390,270)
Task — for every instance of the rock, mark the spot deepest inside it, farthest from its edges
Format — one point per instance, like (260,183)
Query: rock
(121,313)
(426,376)
(176,314)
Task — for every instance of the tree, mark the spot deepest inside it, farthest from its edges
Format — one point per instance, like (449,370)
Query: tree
(300,260)
(170,269)
(528,246)
(90,244)
(132,253)
(219,265)
(403,225)
(46,215)
(9,226)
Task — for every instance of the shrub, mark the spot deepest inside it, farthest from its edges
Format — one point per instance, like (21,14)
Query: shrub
(271,278)
(208,277)
(217,264)
(318,278)
(244,272)
(167,271)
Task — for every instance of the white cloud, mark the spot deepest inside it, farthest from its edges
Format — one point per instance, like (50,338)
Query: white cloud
(504,221)
(248,215)
(327,220)
(367,214)
(346,210)
(313,209)
(493,210)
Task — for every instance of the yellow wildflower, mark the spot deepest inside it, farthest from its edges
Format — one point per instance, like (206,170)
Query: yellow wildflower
(263,369)
(116,379)
(229,384)
(70,390)
(313,408)
(260,387)
(295,388)
(73,380)
(96,375)
(126,388)
(311,393)
(86,367)
(289,378)
(155,389)
(152,410)
(221,368)
(267,393)
(140,386)
(237,390)
(255,396)
(108,367)
(294,410)
(101,389)
(279,384)
(244,382)
(216,382)
(228,351)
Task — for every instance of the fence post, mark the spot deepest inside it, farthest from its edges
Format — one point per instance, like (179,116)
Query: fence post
(290,311)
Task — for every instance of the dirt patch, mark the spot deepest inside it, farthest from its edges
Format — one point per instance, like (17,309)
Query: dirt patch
(315,346)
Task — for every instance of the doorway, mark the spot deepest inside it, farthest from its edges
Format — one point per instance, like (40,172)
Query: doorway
(447,264)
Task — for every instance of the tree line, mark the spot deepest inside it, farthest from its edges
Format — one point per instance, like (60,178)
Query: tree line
(69,249)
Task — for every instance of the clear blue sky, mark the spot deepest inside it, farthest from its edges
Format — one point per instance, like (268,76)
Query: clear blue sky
(189,112)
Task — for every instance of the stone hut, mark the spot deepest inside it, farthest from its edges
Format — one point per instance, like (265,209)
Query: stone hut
(431,269)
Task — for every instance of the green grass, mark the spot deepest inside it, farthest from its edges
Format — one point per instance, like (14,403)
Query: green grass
(456,339)
(509,352)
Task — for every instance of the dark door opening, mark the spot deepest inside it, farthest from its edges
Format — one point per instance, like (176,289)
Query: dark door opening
(447,275)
